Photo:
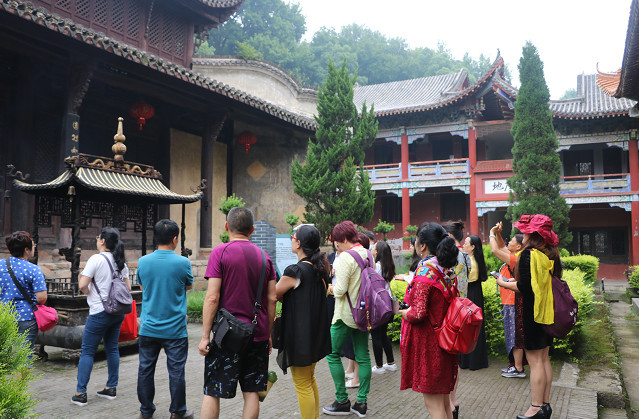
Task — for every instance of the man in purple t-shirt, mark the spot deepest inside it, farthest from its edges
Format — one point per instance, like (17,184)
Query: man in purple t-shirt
(233,273)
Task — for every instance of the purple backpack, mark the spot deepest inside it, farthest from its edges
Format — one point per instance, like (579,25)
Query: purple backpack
(566,309)
(374,305)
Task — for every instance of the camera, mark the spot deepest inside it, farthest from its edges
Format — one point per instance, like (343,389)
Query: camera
(403,306)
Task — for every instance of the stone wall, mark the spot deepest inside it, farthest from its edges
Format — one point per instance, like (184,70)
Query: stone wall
(263,176)
(264,238)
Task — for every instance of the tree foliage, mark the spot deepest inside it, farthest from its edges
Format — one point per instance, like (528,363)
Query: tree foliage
(16,401)
(274,30)
(329,181)
(384,227)
(536,164)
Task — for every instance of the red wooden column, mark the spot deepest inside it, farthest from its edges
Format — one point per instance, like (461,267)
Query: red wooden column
(472,160)
(405,196)
(634,206)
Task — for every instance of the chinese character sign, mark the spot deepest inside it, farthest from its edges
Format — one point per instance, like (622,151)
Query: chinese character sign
(496,186)
(71,135)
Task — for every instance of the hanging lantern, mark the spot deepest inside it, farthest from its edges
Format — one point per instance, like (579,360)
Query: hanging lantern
(141,111)
(247,139)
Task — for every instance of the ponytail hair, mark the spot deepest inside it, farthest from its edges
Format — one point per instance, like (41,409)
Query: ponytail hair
(309,238)
(439,243)
(112,242)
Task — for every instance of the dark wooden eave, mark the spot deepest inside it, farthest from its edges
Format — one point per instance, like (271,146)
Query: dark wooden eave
(214,12)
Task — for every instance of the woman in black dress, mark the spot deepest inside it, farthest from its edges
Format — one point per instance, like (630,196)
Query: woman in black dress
(537,264)
(305,337)
(478,358)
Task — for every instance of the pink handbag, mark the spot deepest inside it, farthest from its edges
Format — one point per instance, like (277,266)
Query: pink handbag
(46,317)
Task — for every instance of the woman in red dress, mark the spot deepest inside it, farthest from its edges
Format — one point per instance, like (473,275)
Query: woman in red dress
(426,368)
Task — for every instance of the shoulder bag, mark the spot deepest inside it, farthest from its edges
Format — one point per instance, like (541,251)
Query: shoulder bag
(119,300)
(232,334)
(46,317)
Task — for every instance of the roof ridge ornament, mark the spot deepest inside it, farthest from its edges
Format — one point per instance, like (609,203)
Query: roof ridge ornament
(119,148)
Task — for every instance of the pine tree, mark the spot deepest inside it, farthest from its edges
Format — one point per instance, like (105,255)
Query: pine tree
(329,180)
(536,164)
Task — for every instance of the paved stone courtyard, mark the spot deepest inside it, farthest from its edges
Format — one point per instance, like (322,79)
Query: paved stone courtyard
(482,394)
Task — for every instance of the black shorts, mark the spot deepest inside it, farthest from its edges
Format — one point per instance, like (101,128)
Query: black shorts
(222,370)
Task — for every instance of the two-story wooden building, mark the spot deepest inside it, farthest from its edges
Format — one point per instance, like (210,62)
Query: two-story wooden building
(444,152)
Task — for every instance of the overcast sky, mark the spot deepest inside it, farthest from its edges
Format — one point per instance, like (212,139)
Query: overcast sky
(571,36)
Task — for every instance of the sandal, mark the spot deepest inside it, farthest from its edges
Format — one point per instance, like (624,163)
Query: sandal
(349,384)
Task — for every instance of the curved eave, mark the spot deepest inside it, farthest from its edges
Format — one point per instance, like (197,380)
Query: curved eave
(499,62)
(589,116)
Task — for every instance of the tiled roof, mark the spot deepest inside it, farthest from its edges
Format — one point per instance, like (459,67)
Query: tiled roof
(222,3)
(418,95)
(591,102)
(28,11)
(409,94)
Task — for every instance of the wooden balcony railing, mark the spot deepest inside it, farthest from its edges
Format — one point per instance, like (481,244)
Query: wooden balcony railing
(418,170)
(611,183)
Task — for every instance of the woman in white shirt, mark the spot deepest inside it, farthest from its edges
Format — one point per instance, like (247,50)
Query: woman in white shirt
(100,325)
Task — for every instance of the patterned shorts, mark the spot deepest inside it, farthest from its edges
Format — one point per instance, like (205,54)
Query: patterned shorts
(223,370)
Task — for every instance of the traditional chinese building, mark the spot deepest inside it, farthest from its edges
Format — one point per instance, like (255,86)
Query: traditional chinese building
(70,68)
(444,152)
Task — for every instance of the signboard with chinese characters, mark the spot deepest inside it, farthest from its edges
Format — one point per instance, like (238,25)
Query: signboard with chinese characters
(496,186)
(71,135)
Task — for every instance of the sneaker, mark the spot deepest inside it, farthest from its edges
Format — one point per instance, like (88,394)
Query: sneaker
(107,393)
(378,370)
(505,369)
(390,367)
(359,409)
(338,409)
(513,373)
(349,384)
(80,399)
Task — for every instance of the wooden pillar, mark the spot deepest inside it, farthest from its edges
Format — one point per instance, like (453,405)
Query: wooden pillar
(633,155)
(183,232)
(472,160)
(145,209)
(405,194)
(75,238)
(35,236)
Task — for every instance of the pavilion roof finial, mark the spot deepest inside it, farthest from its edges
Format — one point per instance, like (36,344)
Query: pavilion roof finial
(119,148)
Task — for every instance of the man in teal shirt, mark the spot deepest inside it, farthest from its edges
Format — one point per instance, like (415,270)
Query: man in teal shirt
(165,277)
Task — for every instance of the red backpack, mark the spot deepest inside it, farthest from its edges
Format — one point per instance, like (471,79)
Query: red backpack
(460,327)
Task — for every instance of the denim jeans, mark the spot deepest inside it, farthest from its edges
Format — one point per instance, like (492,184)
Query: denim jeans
(30,327)
(176,351)
(100,327)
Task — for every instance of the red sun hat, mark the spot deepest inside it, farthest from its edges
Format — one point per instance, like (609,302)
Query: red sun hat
(538,224)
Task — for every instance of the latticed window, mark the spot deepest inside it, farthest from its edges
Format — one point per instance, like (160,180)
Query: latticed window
(168,34)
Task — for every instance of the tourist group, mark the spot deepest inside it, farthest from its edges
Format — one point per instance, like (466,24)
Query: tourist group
(320,297)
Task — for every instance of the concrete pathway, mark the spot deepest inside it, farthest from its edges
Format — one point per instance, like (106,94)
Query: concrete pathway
(483,394)
(625,326)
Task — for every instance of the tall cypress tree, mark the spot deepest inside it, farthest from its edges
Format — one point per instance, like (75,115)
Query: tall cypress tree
(536,164)
(329,179)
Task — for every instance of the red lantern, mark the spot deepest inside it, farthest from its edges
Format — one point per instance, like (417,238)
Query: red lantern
(141,111)
(247,139)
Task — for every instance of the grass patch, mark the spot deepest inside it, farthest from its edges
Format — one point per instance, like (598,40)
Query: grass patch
(194,304)
(596,345)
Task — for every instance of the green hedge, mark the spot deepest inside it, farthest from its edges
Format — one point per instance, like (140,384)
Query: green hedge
(492,263)
(194,304)
(633,276)
(580,288)
(587,264)
(395,327)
